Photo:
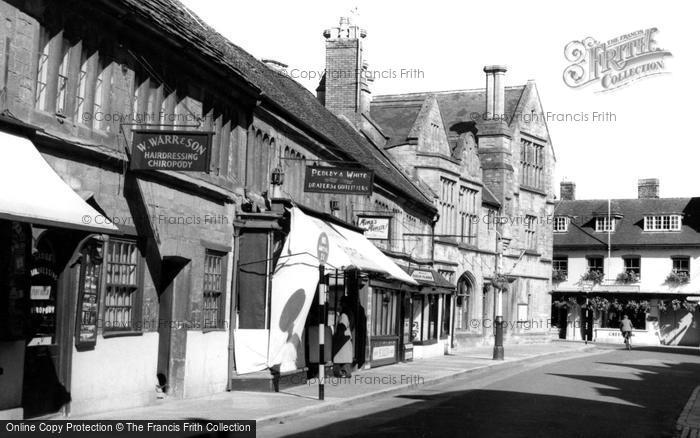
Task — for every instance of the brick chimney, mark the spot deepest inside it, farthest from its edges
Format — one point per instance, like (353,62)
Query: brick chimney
(495,91)
(344,89)
(567,191)
(648,188)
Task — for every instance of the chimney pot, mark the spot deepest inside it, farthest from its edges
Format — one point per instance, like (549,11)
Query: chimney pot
(567,191)
(648,188)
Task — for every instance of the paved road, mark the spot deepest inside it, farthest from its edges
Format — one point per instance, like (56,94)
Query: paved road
(607,393)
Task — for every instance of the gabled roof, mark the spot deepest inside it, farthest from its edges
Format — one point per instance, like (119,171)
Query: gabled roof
(397,113)
(629,228)
(174,20)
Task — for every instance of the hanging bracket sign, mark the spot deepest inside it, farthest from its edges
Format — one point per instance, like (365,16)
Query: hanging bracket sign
(154,149)
(338,180)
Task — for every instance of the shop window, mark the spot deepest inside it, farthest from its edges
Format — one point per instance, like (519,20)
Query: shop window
(214,289)
(42,294)
(425,318)
(446,311)
(91,258)
(681,265)
(385,305)
(122,294)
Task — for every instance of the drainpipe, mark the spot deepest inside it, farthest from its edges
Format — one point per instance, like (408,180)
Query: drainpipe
(233,318)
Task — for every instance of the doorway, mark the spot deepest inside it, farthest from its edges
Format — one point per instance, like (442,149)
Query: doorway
(45,388)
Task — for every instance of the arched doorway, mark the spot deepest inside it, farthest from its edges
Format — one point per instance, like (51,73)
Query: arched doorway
(464,301)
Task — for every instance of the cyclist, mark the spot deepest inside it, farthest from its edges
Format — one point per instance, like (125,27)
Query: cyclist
(626,328)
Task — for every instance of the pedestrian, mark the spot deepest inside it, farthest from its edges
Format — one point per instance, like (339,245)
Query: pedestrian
(342,341)
(626,328)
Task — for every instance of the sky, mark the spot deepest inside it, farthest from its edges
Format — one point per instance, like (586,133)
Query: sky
(644,130)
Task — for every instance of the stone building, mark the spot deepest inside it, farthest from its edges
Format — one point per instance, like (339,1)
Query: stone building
(636,257)
(142,284)
(487,157)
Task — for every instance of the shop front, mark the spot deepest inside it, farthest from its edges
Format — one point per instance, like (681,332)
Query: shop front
(46,248)
(657,318)
(431,314)
(287,297)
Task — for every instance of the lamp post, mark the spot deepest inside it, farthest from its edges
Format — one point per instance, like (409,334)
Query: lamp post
(498,353)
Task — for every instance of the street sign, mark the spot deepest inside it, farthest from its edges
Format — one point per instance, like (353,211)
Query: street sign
(322,248)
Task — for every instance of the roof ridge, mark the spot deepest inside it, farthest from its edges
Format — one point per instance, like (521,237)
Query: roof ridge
(465,90)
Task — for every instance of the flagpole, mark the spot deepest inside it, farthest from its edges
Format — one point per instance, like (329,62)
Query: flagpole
(609,231)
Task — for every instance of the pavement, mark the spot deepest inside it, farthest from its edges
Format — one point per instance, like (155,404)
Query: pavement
(364,385)
(688,424)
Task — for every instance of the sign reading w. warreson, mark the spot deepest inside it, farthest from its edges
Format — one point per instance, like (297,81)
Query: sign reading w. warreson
(338,180)
(170,150)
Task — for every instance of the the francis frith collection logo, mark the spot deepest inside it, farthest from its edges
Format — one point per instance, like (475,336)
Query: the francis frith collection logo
(614,63)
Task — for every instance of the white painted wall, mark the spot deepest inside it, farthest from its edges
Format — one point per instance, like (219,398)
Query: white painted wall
(119,373)
(656,264)
(206,362)
(433,350)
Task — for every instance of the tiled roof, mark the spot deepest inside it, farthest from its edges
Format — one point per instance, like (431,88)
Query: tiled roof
(174,20)
(629,228)
(397,113)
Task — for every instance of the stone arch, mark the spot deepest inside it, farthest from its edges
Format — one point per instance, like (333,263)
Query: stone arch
(465,301)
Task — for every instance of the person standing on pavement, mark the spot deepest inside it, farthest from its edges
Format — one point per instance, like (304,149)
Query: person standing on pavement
(626,328)
(342,341)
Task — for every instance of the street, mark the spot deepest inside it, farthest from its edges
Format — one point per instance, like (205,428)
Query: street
(605,393)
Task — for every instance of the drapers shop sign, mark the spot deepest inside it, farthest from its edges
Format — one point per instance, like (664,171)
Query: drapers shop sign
(338,180)
(171,150)
(375,227)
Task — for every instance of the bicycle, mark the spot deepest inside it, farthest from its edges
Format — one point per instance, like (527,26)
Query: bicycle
(628,336)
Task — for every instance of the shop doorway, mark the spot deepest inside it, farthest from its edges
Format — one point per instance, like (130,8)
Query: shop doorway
(46,366)
(587,322)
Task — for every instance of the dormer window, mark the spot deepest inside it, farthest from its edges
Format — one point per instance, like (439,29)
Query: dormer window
(662,223)
(605,224)
(561,224)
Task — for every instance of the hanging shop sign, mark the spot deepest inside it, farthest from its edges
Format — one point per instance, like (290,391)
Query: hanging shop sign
(170,150)
(338,180)
(375,227)
(423,276)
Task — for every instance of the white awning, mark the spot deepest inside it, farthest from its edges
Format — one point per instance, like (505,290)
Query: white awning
(350,248)
(31,191)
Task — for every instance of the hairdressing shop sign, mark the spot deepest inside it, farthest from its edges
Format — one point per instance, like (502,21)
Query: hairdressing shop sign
(170,150)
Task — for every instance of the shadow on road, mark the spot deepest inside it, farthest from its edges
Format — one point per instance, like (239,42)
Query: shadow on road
(642,398)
